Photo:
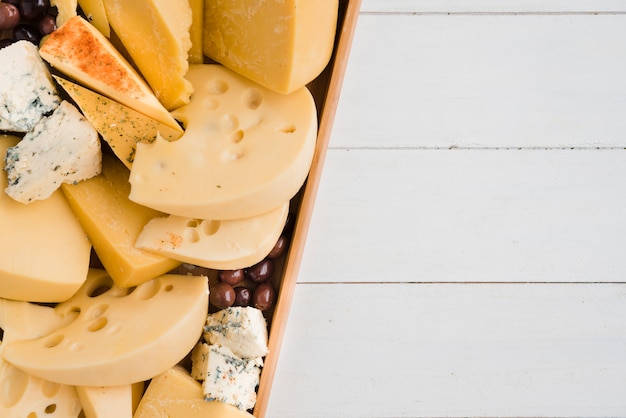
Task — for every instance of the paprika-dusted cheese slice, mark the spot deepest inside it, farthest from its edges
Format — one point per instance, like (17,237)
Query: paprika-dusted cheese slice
(174,393)
(80,51)
(110,401)
(246,150)
(96,15)
(156,35)
(44,252)
(280,44)
(220,245)
(113,223)
(119,336)
(120,126)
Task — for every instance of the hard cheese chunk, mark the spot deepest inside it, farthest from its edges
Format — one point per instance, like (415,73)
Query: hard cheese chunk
(113,222)
(81,52)
(176,394)
(44,253)
(280,44)
(156,35)
(120,126)
(196,55)
(61,148)
(220,245)
(96,15)
(119,336)
(26,88)
(110,401)
(246,150)
(242,329)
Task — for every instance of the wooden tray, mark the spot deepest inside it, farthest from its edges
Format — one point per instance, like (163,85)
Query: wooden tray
(326,89)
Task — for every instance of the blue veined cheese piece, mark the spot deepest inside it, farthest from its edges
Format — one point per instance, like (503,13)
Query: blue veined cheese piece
(61,148)
(27,91)
(242,329)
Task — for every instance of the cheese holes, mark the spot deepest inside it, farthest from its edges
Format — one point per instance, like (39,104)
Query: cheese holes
(230,123)
(197,227)
(97,324)
(99,287)
(50,389)
(236,137)
(217,87)
(252,99)
(210,227)
(211,103)
(13,386)
(53,340)
(191,235)
(287,128)
(148,289)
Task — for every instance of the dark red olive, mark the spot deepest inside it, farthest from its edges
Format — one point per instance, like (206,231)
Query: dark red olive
(24,32)
(264,296)
(222,295)
(5,42)
(261,271)
(242,296)
(232,277)
(47,25)
(9,16)
(280,247)
(34,9)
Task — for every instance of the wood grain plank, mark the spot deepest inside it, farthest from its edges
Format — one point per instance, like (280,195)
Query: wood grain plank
(492,6)
(418,350)
(485,81)
(479,215)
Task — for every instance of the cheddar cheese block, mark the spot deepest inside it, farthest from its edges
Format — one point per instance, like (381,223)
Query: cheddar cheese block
(280,44)
(156,35)
(81,52)
(246,150)
(220,245)
(119,336)
(96,15)
(174,393)
(120,126)
(44,252)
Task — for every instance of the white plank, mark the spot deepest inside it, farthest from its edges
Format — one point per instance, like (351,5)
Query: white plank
(413,350)
(469,215)
(485,81)
(492,6)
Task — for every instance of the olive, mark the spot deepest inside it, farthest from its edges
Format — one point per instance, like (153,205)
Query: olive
(47,25)
(280,247)
(34,9)
(222,295)
(261,271)
(9,16)
(24,32)
(232,277)
(264,296)
(242,296)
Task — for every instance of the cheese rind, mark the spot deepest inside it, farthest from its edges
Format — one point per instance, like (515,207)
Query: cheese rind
(246,150)
(280,44)
(49,229)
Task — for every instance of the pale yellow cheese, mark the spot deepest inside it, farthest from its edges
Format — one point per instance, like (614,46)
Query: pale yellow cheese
(196,55)
(66,9)
(156,35)
(121,336)
(120,126)
(44,252)
(81,52)
(175,393)
(219,245)
(246,150)
(280,44)
(110,401)
(96,15)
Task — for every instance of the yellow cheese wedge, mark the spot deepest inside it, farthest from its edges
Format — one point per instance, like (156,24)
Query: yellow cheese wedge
(120,336)
(110,401)
(44,252)
(81,52)
(196,55)
(66,9)
(246,150)
(96,15)
(280,44)
(120,126)
(113,224)
(175,393)
(219,245)
(156,35)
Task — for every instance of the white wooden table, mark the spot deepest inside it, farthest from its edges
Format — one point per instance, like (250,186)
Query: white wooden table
(467,253)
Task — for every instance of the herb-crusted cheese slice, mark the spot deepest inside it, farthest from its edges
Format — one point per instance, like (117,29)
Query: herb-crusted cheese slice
(27,92)
(61,148)
(241,329)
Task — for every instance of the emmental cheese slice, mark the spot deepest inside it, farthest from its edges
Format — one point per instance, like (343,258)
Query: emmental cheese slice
(175,393)
(113,223)
(110,401)
(219,245)
(44,252)
(246,150)
(119,336)
(156,35)
(280,44)
(81,52)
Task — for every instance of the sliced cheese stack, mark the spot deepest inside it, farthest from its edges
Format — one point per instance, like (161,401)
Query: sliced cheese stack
(280,44)
(44,252)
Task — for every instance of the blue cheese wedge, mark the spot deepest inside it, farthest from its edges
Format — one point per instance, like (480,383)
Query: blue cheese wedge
(226,377)
(27,91)
(242,329)
(61,148)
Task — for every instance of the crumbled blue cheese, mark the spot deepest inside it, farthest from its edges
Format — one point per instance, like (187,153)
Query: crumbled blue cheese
(241,329)
(226,377)
(27,91)
(61,148)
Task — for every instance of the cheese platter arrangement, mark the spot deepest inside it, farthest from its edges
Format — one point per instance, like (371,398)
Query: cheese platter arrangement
(160,162)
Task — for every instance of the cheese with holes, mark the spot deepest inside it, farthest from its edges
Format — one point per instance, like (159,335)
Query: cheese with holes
(120,126)
(78,50)
(175,393)
(246,150)
(220,245)
(280,44)
(48,229)
(121,335)
(61,148)
(110,401)
(156,35)
(242,329)
(113,222)
(96,15)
